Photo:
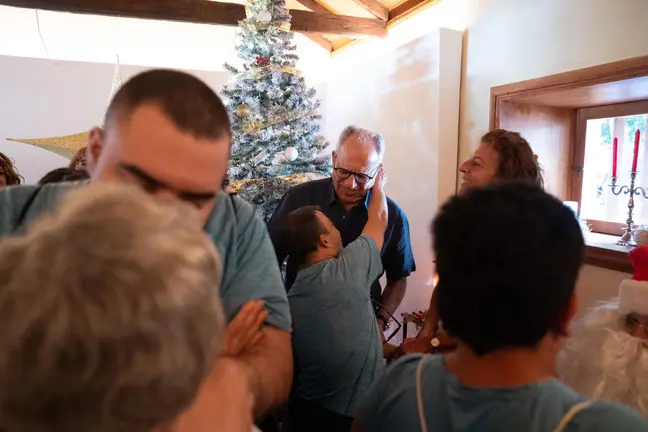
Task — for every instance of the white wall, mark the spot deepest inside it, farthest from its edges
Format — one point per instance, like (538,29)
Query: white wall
(410,94)
(504,41)
(514,40)
(45,98)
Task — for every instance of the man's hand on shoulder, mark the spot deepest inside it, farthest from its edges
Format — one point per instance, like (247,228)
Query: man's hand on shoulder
(244,331)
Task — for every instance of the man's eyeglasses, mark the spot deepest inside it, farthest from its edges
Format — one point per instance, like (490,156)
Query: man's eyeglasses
(360,178)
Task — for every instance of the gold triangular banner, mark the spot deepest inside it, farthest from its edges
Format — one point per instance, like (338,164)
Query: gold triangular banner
(68,145)
(71,143)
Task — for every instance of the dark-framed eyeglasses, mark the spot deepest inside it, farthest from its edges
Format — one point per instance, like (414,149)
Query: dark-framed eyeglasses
(360,178)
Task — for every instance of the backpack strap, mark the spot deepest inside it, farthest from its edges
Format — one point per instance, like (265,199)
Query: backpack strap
(25,209)
(419,394)
(570,415)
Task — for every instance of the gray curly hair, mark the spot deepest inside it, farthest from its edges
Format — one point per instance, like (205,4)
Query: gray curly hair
(109,314)
(365,137)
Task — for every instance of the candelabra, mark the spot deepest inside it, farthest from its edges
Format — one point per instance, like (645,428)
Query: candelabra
(628,239)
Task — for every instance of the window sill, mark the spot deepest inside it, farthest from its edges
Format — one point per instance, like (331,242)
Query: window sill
(602,251)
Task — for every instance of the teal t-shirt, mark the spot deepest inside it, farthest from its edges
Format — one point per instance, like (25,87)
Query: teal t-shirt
(336,344)
(250,270)
(449,406)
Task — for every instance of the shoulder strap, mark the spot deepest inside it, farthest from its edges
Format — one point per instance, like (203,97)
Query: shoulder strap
(570,415)
(419,394)
(25,209)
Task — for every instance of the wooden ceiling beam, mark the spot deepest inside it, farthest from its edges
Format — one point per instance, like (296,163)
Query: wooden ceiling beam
(316,6)
(376,8)
(205,12)
(303,21)
(405,9)
(320,8)
(320,40)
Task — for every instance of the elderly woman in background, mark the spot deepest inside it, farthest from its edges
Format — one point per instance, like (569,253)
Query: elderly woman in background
(9,175)
(123,319)
(501,156)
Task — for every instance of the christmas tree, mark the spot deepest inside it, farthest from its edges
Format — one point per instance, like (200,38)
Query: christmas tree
(274,114)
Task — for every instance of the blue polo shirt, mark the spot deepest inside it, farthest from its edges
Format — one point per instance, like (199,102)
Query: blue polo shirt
(396,254)
(250,271)
(336,341)
(448,405)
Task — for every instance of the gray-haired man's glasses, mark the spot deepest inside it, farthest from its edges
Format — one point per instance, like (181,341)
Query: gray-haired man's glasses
(360,178)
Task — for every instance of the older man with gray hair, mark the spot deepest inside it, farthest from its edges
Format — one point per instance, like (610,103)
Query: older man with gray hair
(343,198)
(110,322)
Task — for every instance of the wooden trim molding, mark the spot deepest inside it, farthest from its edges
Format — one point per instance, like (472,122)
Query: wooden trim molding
(602,251)
(607,258)
(578,164)
(563,82)
(605,73)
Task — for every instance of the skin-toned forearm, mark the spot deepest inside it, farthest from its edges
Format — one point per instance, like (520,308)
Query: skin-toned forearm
(431,323)
(271,363)
(377,213)
(393,295)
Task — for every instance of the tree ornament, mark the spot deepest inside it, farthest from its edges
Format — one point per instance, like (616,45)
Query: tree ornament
(262,61)
(264,16)
(259,158)
(291,153)
(278,158)
(243,110)
(283,109)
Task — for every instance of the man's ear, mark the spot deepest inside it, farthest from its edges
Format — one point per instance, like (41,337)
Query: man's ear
(95,146)
(334,156)
(323,241)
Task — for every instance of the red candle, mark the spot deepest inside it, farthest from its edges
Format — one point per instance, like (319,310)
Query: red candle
(635,156)
(615,151)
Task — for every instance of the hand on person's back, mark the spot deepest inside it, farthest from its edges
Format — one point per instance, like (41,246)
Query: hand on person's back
(243,331)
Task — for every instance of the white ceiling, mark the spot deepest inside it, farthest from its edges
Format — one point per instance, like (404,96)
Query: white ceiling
(100,39)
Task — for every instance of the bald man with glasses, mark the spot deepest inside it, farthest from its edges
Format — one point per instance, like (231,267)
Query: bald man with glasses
(344,198)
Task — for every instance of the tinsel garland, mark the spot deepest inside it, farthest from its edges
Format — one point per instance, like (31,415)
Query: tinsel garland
(261,72)
(256,126)
(265,193)
(280,25)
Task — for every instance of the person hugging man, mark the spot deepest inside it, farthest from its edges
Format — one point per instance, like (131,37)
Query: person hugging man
(336,341)
(110,322)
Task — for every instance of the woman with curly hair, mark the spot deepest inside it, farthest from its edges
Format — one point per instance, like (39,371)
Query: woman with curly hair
(502,156)
(8,173)
(78,161)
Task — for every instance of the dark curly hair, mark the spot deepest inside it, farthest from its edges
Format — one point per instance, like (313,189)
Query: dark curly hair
(516,159)
(8,168)
(519,286)
(79,156)
(63,175)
